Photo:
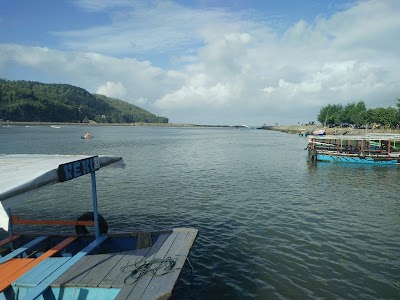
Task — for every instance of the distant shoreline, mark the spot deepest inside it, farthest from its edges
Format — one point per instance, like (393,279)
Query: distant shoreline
(293,129)
(308,129)
(107,124)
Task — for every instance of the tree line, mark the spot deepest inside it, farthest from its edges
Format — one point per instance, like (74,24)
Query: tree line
(358,115)
(29,101)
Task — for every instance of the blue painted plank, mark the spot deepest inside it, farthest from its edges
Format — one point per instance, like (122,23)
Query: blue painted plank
(22,249)
(30,277)
(41,271)
(36,292)
(82,293)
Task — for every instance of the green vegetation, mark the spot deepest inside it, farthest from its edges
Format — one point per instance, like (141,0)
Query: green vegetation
(28,101)
(358,115)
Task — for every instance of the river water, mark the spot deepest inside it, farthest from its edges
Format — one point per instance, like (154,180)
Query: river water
(272,224)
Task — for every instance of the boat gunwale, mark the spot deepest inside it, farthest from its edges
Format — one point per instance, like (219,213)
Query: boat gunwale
(356,137)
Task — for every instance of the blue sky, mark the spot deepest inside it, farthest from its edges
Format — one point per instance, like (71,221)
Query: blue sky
(210,62)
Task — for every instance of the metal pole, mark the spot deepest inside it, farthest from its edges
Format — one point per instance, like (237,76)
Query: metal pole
(10,227)
(95,212)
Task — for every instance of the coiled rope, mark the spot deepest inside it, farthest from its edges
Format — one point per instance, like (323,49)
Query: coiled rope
(142,267)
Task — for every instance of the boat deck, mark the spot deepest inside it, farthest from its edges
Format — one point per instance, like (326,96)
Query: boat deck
(109,275)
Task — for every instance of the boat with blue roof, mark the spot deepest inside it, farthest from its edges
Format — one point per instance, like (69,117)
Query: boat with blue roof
(375,149)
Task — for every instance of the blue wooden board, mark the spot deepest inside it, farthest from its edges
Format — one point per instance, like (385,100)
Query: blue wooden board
(41,272)
(39,289)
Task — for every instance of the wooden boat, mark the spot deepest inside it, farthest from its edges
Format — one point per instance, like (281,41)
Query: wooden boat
(368,149)
(304,132)
(131,265)
(319,132)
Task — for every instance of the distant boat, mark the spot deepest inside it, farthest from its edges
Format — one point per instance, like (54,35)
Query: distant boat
(55,126)
(365,149)
(319,132)
(303,132)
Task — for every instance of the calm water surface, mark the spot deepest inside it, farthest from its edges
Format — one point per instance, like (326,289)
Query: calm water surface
(272,225)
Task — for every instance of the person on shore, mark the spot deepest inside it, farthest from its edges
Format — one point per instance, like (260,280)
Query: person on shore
(87,135)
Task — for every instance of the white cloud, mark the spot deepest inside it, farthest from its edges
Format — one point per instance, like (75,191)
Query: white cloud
(100,5)
(197,97)
(131,78)
(151,27)
(112,89)
(341,78)
(222,68)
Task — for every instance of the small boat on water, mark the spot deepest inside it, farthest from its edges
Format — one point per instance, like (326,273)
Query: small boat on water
(367,149)
(82,265)
(303,132)
(319,132)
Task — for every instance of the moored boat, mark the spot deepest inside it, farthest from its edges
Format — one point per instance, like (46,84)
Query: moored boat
(81,265)
(304,132)
(367,149)
(319,132)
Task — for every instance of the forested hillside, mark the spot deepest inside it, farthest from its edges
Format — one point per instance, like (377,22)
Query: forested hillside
(28,101)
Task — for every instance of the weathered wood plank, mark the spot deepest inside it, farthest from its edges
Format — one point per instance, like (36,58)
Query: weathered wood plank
(152,287)
(151,252)
(88,271)
(162,286)
(107,264)
(81,272)
(140,286)
(128,266)
(123,259)
(69,274)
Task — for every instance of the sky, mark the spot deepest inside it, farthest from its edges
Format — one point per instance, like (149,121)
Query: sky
(210,62)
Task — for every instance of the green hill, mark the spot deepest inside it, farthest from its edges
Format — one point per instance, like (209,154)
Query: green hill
(28,101)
